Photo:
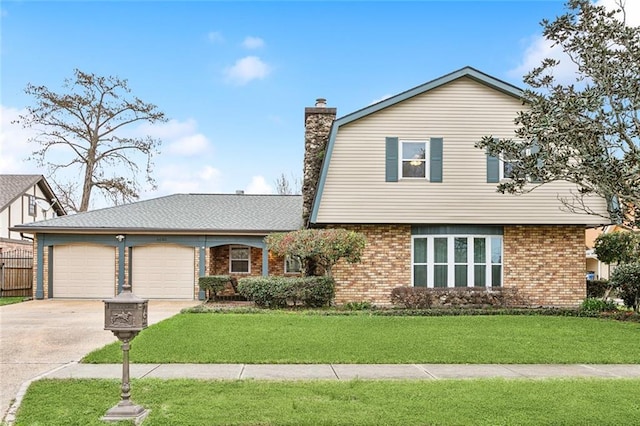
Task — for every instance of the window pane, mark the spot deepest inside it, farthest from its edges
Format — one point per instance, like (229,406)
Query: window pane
(415,169)
(479,250)
(496,276)
(240,253)
(420,275)
(479,276)
(440,250)
(496,250)
(292,265)
(440,276)
(460,245)
(413,150)
(239,266)
(507,169)
(420,250)
(461,276)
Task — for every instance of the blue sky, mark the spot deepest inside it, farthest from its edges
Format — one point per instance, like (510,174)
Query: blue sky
(234,77)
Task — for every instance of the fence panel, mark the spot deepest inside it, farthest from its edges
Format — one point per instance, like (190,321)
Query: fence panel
(16,273)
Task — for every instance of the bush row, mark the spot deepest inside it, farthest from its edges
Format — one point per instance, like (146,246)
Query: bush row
(280,292)
(472,297)
(214,284)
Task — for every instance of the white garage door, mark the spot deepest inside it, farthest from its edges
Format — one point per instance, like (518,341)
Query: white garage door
(163,272)
(84,271)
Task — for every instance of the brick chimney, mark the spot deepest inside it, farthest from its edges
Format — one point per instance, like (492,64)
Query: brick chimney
(317,126)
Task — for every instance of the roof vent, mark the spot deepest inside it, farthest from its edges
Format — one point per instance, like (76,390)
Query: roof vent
(239,192)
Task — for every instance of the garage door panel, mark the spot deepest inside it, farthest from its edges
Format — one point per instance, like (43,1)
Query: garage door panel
(84,271)
(163,271)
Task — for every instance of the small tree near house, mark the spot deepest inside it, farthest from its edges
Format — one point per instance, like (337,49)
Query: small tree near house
(622,248)
(325,247)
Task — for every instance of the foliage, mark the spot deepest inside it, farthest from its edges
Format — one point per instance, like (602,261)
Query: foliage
(618,247)
(362,305)
(412,297)
(597,288)
(371,337)
(592,304)
(10,300)
(586,132)
(424,298)
(213,283)
(280,292)
(626,279)
(322,246)
(80,131)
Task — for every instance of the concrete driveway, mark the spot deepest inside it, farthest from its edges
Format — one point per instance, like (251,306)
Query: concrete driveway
(40,335)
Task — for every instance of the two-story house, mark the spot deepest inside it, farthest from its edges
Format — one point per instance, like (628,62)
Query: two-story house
(405,172)
(24,199)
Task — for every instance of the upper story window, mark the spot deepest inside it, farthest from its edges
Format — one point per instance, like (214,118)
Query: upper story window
(32,205)
(414,159)
(239,260)
(292,265)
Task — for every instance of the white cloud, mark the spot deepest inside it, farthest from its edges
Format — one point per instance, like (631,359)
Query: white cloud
(540,48)
(14,145)
(247,69)
(258,185)
(253,43)
(215,37)
(180,138)
(380,99)
(183,178)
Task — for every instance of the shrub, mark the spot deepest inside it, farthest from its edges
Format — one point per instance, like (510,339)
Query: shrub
(412,297)
(597,288)
(213,283)
(626,279)
(592,304)
(358,306)
(280,292)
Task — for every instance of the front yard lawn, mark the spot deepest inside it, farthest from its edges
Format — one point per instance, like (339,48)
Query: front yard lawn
(299,338)
(448,402)
(10,300)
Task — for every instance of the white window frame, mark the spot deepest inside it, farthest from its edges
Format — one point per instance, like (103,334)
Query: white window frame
(401,160)
(231,259)
(33,206)
(451,258)
(503,162)
(287,261)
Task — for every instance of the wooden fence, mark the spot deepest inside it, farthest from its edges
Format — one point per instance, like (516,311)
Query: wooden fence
(16,273)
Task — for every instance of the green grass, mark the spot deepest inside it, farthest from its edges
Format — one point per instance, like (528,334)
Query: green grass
(448,402)
(299,338)
(11,300)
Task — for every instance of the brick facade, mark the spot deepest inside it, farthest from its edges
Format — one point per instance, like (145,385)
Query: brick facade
(546,264)
(386,264)
(218,262)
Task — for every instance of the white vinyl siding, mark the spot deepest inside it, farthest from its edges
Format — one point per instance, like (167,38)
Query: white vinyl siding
(461,112)
(456,261)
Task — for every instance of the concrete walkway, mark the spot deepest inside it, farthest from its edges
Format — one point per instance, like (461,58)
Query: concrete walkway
(346,371)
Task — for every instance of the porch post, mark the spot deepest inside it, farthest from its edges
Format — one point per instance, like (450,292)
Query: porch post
(40,269)
(265,260)
(201,271)
(121,252)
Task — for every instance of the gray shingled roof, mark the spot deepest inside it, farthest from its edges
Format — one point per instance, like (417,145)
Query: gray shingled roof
(13,186)
(186,212)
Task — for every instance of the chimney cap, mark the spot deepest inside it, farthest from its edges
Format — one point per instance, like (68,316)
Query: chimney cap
(321,103)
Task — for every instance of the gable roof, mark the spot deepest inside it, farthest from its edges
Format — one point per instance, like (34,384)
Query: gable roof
(202,213)
(468,72)
(14,186)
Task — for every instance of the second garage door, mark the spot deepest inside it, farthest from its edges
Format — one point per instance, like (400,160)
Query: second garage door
(163,271)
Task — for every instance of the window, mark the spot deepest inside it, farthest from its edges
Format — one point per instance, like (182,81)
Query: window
(292,265)
(239,260)
(414,159)
(457,261)
(506,168)
(32,205)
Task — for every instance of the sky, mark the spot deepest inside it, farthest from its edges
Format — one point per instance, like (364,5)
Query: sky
(233,78)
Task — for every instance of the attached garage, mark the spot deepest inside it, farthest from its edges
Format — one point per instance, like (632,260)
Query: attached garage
(163,271)
(85,271)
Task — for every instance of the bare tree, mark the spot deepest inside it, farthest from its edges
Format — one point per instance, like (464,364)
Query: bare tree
(82,130)
(284,187)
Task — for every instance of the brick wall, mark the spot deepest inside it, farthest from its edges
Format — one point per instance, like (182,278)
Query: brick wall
(218,262)
(386,264)
(546,264)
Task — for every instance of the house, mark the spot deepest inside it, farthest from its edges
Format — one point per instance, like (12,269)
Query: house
(405,173)
(24,199)
(160,246)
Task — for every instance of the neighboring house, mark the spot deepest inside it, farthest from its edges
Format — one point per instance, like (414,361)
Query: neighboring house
(595,268)
(405,173)
(161,246)
(24,199)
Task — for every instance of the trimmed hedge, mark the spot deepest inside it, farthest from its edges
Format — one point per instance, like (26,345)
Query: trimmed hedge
(465,297)
(280,292)
(213,283)
(597,288)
